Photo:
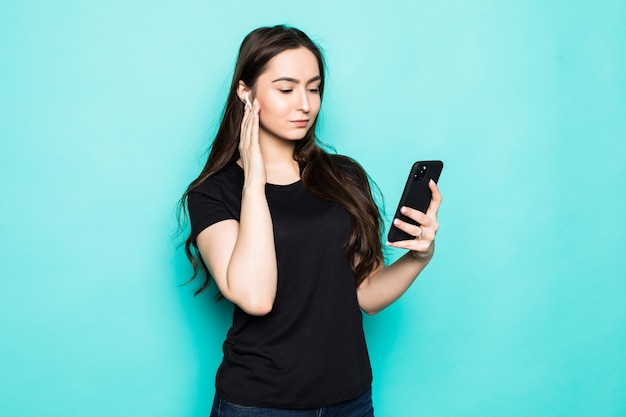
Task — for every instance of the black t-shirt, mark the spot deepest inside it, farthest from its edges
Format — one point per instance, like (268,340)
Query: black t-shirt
(310,350)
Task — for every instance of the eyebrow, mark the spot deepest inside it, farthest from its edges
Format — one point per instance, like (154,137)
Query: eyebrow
(293,80)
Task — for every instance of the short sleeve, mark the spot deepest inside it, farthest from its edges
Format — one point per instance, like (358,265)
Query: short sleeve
(206,210)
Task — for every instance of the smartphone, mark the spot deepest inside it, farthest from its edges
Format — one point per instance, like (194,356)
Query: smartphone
(416,195)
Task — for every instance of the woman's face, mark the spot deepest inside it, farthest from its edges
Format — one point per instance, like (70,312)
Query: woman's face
(288,95)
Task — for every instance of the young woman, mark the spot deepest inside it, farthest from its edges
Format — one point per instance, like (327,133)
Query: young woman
(292,237)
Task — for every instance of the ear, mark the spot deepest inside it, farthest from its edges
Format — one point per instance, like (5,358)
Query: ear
(242,91)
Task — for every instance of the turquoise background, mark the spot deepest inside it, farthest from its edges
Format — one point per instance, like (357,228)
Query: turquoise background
(106,109)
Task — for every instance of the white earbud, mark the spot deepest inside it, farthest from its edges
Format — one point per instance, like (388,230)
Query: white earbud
(245,96)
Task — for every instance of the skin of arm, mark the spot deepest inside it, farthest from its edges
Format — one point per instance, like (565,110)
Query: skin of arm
(386,284)
(241,255)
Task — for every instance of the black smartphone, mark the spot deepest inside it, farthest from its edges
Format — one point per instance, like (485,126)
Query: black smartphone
(416,194)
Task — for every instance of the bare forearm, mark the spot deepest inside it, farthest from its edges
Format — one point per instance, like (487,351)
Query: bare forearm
(252,271)
(386,285)
(389,283)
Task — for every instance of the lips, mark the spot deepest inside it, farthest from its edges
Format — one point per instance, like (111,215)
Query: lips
(300,123)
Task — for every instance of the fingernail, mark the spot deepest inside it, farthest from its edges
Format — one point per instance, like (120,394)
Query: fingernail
(404,210)
(396,222)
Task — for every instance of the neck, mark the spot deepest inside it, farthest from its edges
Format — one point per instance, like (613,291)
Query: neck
(280,167)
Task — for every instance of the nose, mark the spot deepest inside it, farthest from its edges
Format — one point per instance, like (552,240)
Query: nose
(303,101)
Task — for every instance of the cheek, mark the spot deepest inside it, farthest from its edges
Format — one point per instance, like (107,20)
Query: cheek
(272,107)
(315,107)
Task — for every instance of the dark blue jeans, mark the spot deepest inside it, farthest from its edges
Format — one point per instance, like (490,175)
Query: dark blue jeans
(361,406)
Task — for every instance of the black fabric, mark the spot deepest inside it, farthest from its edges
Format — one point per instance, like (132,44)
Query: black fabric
(309,351)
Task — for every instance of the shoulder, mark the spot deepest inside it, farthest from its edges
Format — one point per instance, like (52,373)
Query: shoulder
(228,179)
(216,198)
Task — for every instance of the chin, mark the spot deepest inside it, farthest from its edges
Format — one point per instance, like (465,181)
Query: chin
(288,134)
(293,136)
(299,137)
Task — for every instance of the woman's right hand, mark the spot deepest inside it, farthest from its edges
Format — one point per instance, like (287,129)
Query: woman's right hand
(249,148)
(241,254)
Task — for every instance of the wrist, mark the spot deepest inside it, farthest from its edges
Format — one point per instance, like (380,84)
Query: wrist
(254,185)
(420,256)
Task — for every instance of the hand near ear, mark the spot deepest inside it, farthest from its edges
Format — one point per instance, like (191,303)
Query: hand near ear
(249,149)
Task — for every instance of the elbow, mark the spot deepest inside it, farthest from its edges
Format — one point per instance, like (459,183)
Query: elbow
(366,304)
(369,311)
(369,308)
(254,300)
(257,306)
(258,310)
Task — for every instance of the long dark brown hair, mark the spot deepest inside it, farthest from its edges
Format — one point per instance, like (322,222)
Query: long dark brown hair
(331,177)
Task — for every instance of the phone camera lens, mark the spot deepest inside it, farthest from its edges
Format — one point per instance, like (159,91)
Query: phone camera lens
(421,171)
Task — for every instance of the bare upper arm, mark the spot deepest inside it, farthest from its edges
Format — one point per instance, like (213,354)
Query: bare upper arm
(364,291)
(216,244)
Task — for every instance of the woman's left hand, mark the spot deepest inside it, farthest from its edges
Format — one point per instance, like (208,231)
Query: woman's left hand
(423,246)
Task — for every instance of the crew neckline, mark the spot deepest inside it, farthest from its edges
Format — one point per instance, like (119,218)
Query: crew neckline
(274,186)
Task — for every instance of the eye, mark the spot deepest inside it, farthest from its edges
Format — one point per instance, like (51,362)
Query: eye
(315,90)
(285,90)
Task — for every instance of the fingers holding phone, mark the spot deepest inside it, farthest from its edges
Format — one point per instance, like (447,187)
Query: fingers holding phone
(436,198)
(415,222)
(423,227)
